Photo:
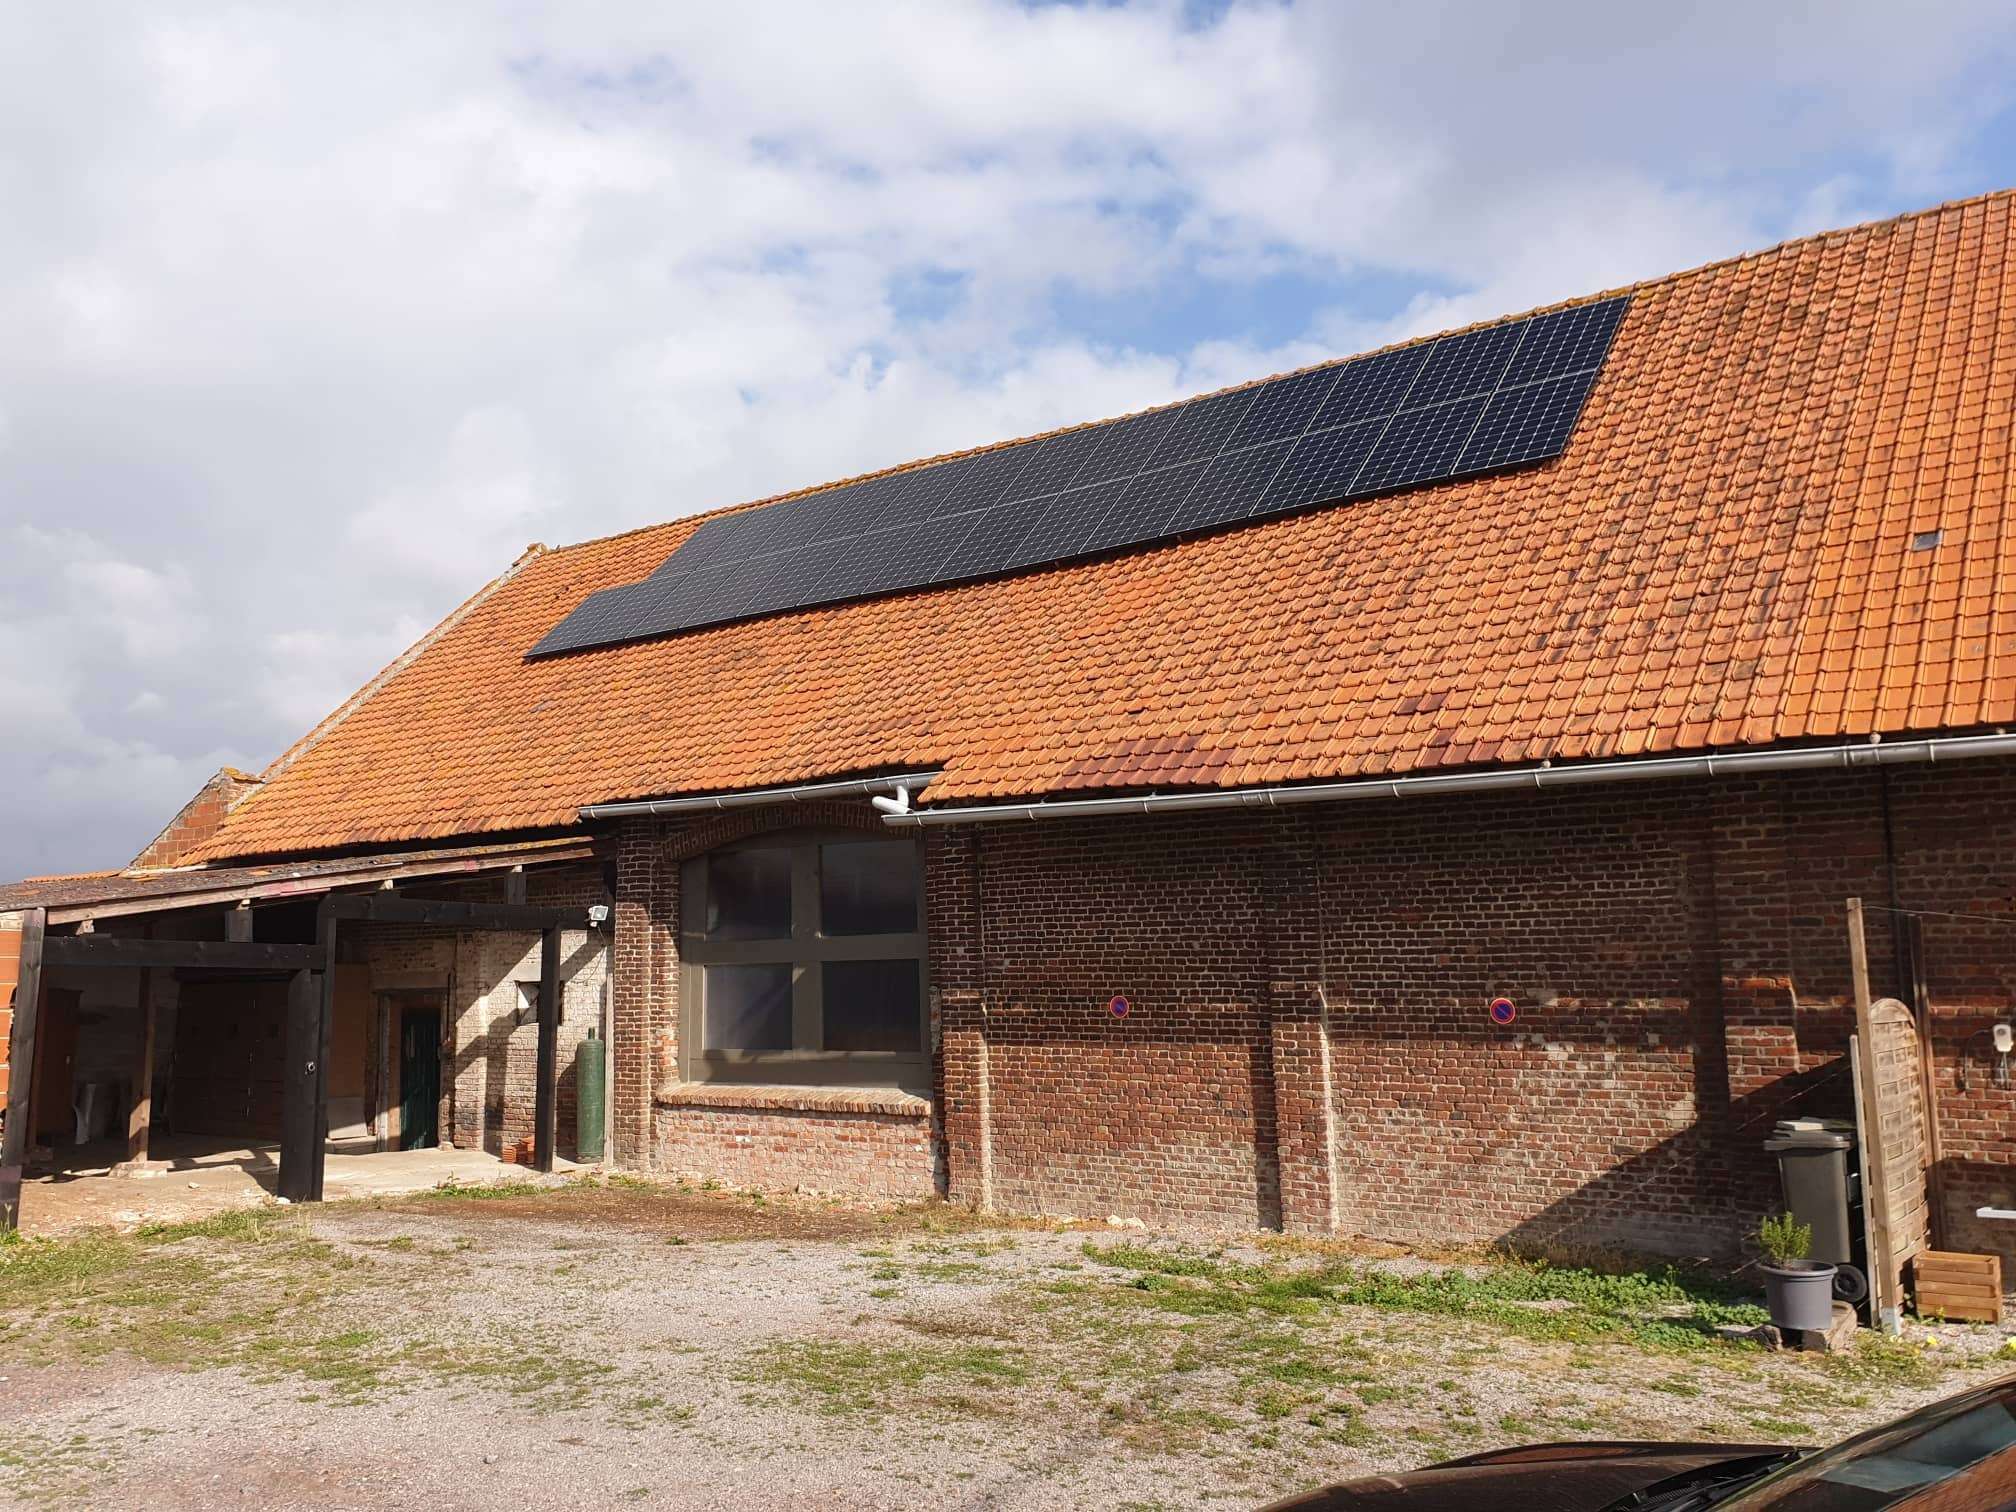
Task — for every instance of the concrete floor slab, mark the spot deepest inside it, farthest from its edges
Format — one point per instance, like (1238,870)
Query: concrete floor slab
(202,1177)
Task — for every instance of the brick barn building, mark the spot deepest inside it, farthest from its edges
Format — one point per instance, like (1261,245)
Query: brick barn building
(1176,879)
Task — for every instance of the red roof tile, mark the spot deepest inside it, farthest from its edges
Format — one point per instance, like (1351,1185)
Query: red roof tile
(1721,557)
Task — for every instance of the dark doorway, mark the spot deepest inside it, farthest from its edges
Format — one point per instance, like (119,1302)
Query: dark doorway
(54,1090)
(420,1079)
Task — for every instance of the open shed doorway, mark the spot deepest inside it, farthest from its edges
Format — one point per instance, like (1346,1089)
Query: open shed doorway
(408,1069)
(420,1078)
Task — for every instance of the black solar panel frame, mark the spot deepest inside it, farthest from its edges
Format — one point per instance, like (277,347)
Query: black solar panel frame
(1477,401)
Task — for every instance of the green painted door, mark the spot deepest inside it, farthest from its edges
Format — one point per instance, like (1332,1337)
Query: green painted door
(420,1079)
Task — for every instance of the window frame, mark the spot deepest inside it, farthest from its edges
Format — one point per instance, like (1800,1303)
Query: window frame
(805,950)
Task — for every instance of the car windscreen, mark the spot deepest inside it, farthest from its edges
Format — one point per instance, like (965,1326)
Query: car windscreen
(1888,1466)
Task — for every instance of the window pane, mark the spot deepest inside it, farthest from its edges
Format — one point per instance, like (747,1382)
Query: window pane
(747,1007)
(873,1005)
(868,887)
(749,895)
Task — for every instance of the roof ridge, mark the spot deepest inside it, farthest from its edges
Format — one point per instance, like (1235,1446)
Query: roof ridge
(1641,285)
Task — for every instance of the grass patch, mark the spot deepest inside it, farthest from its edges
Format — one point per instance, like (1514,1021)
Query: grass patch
(256,1290)
(1668,1309)
(872,1380)
(452,1190)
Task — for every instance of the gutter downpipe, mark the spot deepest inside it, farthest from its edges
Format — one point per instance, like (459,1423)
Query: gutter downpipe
(1544,775)
(902,784)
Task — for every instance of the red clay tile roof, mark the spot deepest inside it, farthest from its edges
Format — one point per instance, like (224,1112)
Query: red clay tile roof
(1721,558)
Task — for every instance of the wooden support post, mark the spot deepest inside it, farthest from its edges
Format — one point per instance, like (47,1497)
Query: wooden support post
(325,1028)
(141,1116)
(298,1122)
(304,1091)
(545,1102)
(514,887)
(1886,1296)
(21,1077)
(238,923)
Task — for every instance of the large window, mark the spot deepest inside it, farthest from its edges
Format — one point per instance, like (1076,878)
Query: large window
(802,960)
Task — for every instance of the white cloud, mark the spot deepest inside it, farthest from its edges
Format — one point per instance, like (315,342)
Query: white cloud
(316,317)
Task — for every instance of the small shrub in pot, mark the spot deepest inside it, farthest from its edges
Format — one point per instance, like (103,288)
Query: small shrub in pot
(1798,1291)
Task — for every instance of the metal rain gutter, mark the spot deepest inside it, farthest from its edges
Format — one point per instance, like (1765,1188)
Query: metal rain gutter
(805,792)
(1735,764)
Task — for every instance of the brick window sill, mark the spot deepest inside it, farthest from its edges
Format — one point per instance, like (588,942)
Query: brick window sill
(886,1100)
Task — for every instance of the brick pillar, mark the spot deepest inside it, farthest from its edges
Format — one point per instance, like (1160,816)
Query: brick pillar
(641,965)
(1299,1027)
(952,885)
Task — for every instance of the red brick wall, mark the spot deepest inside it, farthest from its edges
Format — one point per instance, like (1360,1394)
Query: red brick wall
(820,1149)
(1309,1045)
(1166,1113)
(1582,1118)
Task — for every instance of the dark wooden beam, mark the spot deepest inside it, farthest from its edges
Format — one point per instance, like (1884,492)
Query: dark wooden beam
(389,908)
(140,1118)
(298,1120)
(545,1099)
(283,885)
(176,955)
(238,923)
(514,887)
(324,1035)
(21,1073)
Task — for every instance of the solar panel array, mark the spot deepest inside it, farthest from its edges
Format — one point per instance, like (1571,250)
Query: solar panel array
(1497,397)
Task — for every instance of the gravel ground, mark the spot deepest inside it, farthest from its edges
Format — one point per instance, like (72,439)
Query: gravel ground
(675,1348)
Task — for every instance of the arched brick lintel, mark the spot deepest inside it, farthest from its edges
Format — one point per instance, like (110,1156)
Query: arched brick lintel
(697,837)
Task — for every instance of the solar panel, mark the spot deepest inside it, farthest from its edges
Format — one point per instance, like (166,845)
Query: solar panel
(1284,408)
(1465,364)
(1568,341)
(1202,428)
(1140,512)
(1322,466)
(1066,521)
(1227,489)
(1370,386)
(1419,445)
(1525,424)
(1492,397)
(987,545)
(1128,445)
(1054,465)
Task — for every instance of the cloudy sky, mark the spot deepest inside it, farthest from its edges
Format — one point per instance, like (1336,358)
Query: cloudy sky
(312,316)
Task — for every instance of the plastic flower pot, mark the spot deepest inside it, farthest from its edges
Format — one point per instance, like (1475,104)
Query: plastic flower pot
(1800,1295)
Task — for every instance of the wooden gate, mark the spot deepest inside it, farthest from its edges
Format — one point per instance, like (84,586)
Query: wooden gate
(1897,1144)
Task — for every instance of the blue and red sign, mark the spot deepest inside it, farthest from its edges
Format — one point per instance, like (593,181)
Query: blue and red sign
(1503,1010)
(1120,1007)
